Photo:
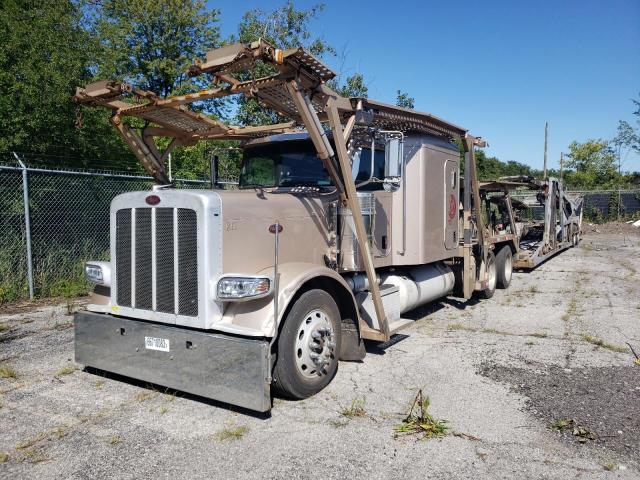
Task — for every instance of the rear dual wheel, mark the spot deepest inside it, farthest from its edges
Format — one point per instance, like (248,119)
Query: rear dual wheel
(504,267)
(491,277)
(308,346)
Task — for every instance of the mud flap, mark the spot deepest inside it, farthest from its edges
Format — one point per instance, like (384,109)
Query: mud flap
(221,367)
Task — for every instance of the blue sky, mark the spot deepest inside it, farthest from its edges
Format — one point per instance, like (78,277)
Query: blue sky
(499,68)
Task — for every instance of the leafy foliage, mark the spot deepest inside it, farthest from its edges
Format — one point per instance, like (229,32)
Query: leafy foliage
(354,86)
(593,163)
(45,53)
(420,421)
(286,27)
(151,44)
(404,100)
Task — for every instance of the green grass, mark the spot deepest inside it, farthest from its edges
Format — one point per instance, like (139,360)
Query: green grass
(66,370)
(58,269)
(232,432)
(144,396)
(30,442)
(356,409)
(598,342)
(4,457)
(460,326)
(571,310)
(7,372)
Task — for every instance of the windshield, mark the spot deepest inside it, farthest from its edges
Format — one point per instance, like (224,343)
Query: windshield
(283,164)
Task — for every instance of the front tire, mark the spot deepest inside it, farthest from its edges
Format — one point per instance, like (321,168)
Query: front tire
(504,267)
(308,346)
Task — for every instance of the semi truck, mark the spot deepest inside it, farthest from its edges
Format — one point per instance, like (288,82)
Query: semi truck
(348,213)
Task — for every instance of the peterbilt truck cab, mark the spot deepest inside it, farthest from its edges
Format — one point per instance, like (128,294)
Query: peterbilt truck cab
(345,218)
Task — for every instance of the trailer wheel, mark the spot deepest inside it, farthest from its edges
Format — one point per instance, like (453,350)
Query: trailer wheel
(504,267)
(308,346)
(492,278)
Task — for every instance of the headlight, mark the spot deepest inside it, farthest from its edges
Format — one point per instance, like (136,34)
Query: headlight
(237,288)
(98,272)
(93,273)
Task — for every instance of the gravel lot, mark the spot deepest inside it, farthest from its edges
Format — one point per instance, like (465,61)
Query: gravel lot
(500,371)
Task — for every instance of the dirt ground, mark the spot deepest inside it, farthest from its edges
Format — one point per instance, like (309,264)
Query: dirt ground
(549,351)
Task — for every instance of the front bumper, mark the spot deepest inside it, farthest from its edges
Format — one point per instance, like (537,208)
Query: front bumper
(220,367)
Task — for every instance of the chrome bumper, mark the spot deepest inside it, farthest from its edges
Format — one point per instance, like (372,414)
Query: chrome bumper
(220,367)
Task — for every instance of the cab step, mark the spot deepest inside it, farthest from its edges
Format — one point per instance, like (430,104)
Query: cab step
(369,333)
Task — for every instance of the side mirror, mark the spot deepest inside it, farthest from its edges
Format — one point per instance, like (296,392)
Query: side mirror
(393,157)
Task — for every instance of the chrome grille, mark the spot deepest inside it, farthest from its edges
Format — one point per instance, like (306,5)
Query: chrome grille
(188,262)
(158,245)
(123,256)
(165,285)
(144,265)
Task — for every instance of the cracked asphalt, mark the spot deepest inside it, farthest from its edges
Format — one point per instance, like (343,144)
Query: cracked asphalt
(499,371)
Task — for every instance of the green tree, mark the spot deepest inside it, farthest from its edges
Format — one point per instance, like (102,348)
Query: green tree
(151,43)
(44,55)
(627,138)
(285,27)
(593,163)
(404,100)
(353,86)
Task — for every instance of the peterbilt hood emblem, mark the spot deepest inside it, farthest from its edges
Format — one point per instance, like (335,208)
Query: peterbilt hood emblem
(152,200)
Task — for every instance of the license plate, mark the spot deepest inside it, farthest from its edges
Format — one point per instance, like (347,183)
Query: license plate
(155,343)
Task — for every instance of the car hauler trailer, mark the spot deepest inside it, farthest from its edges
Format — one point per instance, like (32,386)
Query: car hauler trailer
(549,221)
(347,216)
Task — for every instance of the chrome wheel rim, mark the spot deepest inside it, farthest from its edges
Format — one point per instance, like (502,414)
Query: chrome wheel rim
(315,344)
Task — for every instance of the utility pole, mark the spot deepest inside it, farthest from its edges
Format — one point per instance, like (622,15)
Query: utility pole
(561,164)
(546,135)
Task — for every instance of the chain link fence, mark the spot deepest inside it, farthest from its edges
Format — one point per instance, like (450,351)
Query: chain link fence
(53,220)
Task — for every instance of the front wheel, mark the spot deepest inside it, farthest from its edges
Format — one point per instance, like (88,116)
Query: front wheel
(308,346)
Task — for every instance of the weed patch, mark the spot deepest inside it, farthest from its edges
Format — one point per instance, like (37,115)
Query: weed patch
(8,372)
(598,342)
(460,326)
(582,433)
(356,409)
(33,455)
(144,396)
(31,441)
(66,370)
(232,432)
(420,422)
